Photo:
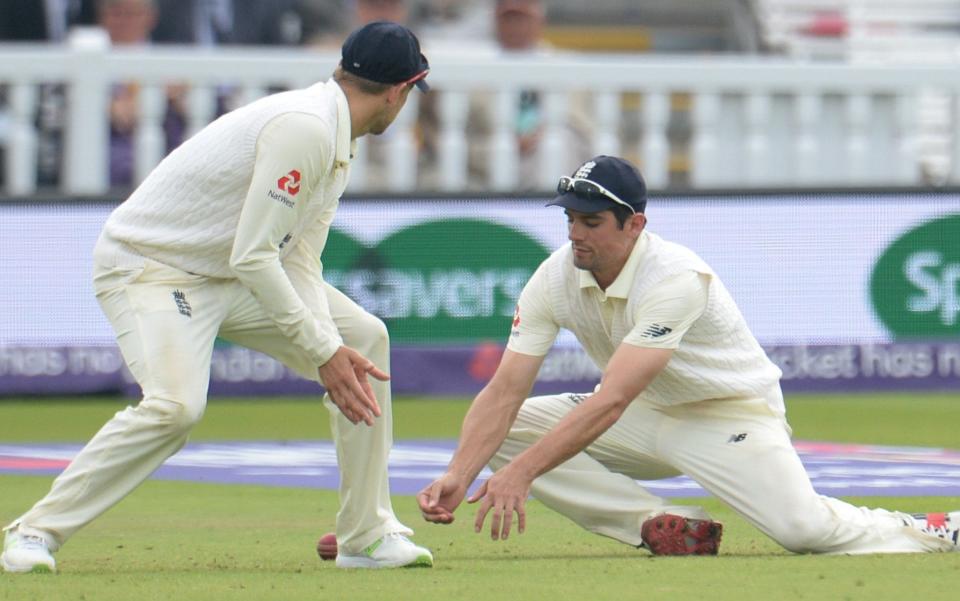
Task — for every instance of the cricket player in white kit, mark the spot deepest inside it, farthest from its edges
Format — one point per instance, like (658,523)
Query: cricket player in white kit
(686,389)
(223,239)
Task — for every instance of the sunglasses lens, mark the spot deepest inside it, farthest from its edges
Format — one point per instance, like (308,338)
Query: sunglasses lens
(586,189)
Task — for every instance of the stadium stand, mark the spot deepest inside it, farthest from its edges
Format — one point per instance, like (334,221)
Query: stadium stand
(877,32)
(712,116)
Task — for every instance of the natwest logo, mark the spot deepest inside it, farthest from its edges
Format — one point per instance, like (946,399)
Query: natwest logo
(290,183)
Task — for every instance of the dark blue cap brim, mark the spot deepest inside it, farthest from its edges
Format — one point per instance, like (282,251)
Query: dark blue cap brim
(422,82)
(569,200)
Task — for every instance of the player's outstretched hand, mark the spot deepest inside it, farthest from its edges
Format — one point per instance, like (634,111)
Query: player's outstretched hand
(441,498)
(344,376)
(504,493)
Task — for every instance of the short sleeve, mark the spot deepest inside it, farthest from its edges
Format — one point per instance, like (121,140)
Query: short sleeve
(668,311)
(534,326)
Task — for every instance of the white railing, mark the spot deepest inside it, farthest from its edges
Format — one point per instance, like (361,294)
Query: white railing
(752,122)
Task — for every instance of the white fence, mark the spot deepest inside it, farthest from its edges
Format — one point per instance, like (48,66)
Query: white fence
(752,122)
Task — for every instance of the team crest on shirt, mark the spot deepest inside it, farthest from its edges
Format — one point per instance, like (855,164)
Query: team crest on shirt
(183,305)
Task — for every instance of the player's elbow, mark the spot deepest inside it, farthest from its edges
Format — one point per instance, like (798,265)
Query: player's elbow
(245,266)
(611,408)
(616,401)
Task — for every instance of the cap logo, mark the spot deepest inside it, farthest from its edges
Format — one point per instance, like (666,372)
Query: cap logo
(584,171)
(357,65)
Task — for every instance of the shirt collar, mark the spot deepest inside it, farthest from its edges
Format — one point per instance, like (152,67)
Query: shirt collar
(346,147)
(620,288)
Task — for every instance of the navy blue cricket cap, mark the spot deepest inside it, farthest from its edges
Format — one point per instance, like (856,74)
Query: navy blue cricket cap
(385,52)
(599,184)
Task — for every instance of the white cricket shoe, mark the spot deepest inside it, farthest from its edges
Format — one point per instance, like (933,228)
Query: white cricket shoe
(392,551)
(26,553)
(942,525)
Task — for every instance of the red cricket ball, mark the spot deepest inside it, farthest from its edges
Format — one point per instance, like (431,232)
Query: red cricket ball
(327,546)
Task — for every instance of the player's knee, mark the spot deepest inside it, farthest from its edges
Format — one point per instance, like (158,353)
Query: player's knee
(800,535)
(173,416)
(539,413)
(372,333)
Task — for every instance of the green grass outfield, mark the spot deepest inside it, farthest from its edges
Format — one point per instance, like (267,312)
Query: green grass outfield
(182,540)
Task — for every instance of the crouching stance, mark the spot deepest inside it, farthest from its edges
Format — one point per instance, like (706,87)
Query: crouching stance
(224,239)
(686,389)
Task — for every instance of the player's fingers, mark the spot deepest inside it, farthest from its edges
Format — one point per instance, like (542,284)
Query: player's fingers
(353,409)
(359,402)
(479,494)
(368,367)
(481,516)
(521,518)
(423,499)
(495,517)
(378,373)
(507,522)
(434,495)
(428,497)
(343,407)
(438,515)
(363,393)
(369,396)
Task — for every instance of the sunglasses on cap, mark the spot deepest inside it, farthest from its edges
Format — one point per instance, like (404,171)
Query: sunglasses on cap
(589,189)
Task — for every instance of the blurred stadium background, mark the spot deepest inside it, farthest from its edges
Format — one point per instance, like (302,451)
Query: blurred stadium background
(808,149)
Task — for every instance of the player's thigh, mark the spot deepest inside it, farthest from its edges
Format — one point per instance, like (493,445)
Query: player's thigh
(165,321)
(627,447)
(743,456)
(247,325)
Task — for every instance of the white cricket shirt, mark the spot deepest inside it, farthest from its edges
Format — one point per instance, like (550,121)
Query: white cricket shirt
(664,297)
(251,197)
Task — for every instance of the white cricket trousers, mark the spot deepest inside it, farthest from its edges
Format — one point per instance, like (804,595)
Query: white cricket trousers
(169,352)
(739,451)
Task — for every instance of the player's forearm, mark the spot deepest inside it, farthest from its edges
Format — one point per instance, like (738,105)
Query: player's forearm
(575,432)
(276,294)
(484,429)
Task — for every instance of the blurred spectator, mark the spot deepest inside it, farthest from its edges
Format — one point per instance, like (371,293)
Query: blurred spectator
(43,21)
(129,23)
(239,22)
(453,20)
(356,13)
(518,25)
(216,22)
(324,22)
(518,28)
(368,11)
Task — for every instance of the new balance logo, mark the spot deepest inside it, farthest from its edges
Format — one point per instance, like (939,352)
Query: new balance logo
(182,305)
(577,398)
(656,330)
(737,437)
(285,240)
